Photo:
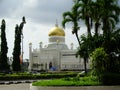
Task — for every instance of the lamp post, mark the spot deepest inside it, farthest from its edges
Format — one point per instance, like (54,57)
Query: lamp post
(22,46)
(21,29)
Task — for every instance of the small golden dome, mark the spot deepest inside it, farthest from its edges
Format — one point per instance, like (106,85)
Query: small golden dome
(56,31)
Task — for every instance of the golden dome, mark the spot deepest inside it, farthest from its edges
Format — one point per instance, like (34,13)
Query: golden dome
(56,31)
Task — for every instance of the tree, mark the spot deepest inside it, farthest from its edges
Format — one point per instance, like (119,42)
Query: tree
(4,66)
(112,47)
(17,46)
(86,13)
(80,10)
(99,59)
(96,15)
(73,16)
(110,12)
(83,51)
(16,53)
(88,45)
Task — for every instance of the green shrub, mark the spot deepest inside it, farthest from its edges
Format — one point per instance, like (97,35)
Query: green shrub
(76,79)
(99,60)
(24,76)
(67,79)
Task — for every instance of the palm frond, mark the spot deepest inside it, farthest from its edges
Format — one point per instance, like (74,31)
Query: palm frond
(67,14)
(65,21)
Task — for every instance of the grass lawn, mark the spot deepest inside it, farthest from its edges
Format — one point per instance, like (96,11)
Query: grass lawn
(82,81)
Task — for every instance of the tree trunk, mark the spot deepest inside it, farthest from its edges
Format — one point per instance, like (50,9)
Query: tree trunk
(77,38)
(88,25)
(96,28)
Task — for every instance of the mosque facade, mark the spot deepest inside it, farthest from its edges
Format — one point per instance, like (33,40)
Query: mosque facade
(56,55)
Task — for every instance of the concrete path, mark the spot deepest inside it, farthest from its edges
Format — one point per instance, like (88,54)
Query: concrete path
(21,86)
(76,88)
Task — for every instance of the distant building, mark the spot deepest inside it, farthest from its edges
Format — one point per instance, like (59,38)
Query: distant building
(56,55)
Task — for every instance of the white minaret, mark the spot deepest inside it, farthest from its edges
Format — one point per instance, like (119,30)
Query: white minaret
(30,57)
(41,45)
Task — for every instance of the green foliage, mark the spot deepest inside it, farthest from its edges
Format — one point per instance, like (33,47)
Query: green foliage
(84,81)
(76,79)
(99,60)
(4,66)
(16,53)
(17,47)
(89,44)
(67,79)
(24,76)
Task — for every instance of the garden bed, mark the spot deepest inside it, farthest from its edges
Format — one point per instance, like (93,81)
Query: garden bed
(83,81)
(74,88)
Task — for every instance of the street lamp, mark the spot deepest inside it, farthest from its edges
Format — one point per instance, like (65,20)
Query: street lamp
(22,45)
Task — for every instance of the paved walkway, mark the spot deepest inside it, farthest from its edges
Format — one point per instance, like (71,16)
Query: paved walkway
(26,86)
(21,86)
(77,88)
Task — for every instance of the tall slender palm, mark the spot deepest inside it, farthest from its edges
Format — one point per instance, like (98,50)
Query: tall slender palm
(83,51)
(110,14)
(73,16)
(85,9)
(96,15)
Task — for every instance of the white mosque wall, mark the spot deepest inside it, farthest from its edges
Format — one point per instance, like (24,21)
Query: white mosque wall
(69,61)
(60,59)
(56,54)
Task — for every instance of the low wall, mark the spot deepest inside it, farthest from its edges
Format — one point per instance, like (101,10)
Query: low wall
(76,88)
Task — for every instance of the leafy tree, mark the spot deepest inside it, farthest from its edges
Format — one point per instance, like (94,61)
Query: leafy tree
(83,51)
(88,45)
(16,53)
(17,46)
(112,47)
(4,66)
(99,59)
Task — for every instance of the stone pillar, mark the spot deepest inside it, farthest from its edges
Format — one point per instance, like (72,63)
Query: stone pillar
(40,45)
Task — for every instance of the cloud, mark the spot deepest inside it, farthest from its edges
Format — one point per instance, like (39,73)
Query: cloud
(42,11)
(40,16)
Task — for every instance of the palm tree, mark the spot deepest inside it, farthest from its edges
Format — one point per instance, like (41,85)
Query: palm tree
(73,16)
(110,14)
(85,9)
(96,15)
(83,51)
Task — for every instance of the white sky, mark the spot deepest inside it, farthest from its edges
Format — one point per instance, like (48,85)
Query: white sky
(40,16)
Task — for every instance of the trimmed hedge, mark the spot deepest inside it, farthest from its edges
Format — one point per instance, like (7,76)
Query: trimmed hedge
(35,76)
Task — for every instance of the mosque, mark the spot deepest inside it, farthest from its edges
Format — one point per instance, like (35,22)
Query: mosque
(56,55)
